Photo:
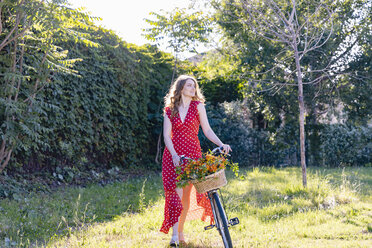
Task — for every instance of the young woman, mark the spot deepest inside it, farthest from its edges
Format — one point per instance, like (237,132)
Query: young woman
(184,111)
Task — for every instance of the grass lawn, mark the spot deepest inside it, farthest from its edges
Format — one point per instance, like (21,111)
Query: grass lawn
(274,211)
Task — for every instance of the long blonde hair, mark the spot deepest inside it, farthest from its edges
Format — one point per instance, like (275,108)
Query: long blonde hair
(173,98)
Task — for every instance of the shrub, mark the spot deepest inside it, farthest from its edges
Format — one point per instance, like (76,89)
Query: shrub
(334,145)
(345,145)
(231,123)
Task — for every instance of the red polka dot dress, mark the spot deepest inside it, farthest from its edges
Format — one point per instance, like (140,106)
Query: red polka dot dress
(185,141)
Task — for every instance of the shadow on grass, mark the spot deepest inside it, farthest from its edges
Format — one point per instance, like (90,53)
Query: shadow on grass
(268,195)
(192,245)
(266,204)
(42,217)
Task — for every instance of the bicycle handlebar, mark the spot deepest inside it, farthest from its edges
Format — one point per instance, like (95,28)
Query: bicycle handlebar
(214,151)
(220,150)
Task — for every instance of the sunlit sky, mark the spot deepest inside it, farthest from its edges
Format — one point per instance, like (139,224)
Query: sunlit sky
(125,17)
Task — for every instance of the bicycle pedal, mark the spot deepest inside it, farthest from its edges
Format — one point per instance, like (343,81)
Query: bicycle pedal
(209,227)
(234,221)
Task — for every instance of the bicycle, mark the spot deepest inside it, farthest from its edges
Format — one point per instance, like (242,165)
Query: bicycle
(221,221)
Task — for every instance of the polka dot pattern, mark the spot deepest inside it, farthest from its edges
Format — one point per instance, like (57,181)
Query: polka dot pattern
(185,141)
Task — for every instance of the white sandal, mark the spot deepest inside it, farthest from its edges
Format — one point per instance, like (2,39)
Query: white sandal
(174,241)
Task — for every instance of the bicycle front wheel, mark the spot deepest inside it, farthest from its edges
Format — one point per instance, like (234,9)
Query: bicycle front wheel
(221,219)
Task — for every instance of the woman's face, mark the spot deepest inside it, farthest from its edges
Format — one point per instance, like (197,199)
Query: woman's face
(189,88)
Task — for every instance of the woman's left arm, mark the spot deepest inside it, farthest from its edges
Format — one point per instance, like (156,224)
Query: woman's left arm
(207,130)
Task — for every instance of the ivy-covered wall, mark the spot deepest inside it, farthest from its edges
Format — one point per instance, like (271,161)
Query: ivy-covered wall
(107,115)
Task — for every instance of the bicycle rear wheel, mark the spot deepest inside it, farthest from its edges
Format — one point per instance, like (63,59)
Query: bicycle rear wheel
(221,219)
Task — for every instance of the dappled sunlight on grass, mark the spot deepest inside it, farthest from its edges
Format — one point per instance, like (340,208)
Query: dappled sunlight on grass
(281,213)
(41,217)
(273,208)
(278,188)
(357,178)
(126,230)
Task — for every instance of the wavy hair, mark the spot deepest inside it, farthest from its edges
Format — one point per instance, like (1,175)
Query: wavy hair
(173,98)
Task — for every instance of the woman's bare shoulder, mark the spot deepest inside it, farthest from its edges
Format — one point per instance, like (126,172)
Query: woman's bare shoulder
(167,111)
(198,103)
(200,106)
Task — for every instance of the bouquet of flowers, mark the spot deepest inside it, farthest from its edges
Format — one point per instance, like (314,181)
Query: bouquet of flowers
(200,168)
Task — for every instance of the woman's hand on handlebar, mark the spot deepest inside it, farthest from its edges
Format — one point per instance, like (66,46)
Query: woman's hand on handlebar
(176,160)
(225,148)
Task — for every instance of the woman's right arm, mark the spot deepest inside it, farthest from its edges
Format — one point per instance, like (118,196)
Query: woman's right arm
(167,131)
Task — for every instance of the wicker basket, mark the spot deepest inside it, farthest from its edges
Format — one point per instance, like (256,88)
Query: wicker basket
(213,181)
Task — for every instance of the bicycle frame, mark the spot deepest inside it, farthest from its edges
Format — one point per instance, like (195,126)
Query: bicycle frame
(220,218)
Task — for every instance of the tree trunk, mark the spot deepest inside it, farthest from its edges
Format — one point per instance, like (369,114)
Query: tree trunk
(158,151)
(301,117)
(5,154)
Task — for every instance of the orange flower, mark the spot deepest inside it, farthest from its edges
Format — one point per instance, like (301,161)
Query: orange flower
(200,168)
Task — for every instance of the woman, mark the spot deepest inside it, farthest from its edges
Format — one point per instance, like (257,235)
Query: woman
(184,111)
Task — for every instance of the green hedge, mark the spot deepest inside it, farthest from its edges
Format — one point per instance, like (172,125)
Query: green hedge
(106,115)
(346,145)
(326,145)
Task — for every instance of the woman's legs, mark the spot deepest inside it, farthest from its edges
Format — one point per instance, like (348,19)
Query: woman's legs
(176,226)
(184,194)
(186,205)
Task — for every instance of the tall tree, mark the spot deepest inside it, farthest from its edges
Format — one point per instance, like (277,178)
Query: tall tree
(263,67)
(297,29)
(30,32)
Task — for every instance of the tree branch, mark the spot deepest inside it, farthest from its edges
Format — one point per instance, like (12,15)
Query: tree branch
(18,20)
(20,69)
(265,27)
(32,96)
(1,23)
(5,162)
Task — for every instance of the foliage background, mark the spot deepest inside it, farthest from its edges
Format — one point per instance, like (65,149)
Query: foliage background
(80,106)
(103,117)
(100,103)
